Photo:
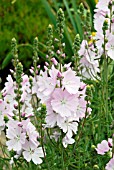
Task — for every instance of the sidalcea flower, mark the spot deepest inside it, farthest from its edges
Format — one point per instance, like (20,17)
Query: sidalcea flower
(102,147)
(66,141)
(9,86)
(88,63)
(110,46)
(103,5)
(69,127)
(31,152)
(46,84)
(81,109)
(16,137)
(110,164)
(52,118)
(70,81)
(63,102)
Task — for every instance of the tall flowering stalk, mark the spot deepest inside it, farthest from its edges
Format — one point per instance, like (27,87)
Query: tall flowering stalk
(57,99)
(16,111)
(62,91)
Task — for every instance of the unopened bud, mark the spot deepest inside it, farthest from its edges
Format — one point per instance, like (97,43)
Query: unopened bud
(54,61)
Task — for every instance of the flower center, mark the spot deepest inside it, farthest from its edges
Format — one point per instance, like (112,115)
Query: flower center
(63,102)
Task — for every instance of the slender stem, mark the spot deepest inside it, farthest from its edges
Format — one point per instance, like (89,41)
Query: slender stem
(80,134)
(110,18)
(19,106)
(105,85)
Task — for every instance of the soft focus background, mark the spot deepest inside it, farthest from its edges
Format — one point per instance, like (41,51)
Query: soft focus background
(27,19)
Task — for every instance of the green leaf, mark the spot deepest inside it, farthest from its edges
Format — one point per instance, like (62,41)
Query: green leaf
(7,60)
(91,4)
(49,11)
(70,16)
(77,19)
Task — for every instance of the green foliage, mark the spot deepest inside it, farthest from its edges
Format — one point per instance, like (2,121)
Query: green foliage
(23,20)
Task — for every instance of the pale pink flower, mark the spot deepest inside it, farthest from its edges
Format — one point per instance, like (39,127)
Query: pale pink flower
(9,86)
(67,66)
(52,118)
(88,62)
(25,87)
(102,147)
(63,102)
(35,88)
(16,138)
(71,82)
(110,46)
(6,107)
(27,110)
(99,19)
(31,152)
(69,127)
(47,83)
(66,141)
(103,5)
(30,131)
(110,164)
(81,109)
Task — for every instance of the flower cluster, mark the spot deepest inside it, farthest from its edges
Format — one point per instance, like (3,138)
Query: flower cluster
(103,21)
(64,96)
(22,136)
(102,41)
(89,64)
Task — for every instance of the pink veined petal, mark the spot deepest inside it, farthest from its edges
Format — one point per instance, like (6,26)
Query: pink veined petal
(27,156)
(110,164)
(36,159)
(17,146)
(102,147)
(10,144)
(40,152)
(36,156)
(111,53)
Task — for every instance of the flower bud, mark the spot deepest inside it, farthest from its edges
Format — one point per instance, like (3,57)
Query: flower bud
(96,167)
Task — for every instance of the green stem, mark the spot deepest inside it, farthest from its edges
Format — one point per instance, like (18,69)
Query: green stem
(105,86)
(19,106)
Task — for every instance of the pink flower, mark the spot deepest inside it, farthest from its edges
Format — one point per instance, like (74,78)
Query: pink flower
(81,109)
(16,138)
(102,147)
(52,118)
(110,46)
(66,141)
(47,84)
(30,131)
(69,127)
(31,152)
(71,82)
(103,5)
(89,65)
(63,102)
(9,86)
(110,164)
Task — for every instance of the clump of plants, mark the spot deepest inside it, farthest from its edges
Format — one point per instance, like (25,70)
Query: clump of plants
(55,117)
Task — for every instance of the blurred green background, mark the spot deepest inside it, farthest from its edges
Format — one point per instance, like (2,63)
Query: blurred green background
(26,19)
